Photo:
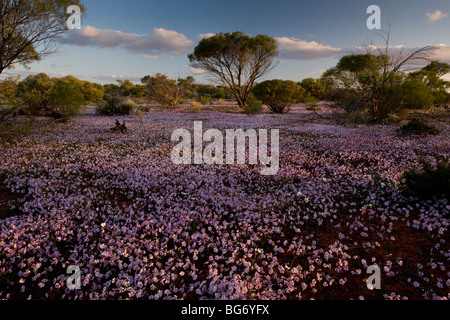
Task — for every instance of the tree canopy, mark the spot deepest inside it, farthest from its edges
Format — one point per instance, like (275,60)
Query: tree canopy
(165,91)
(278,94)
(379,81)
(236,60)
(29,29)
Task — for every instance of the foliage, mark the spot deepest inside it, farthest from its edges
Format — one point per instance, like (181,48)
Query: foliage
(33,94)
(55,97)
(29,29)
(311,103)
(204,99)
(430,76)
(431,182)
(236,60)
(254,107)
(278,94)
(418,126)
(93,92)
(128,89)
(115,105)
(8,106)
(165,91)
(194,106)
(314,88)
(65,98)
(379,82)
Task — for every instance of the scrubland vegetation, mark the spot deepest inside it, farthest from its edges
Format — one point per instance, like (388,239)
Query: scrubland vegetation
(363,180)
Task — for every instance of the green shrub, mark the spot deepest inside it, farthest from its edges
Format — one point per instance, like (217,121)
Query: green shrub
(33,94)
(60,98)
(204,99)
(114,105)
(194,106)
(221,102)
(65,100)
(311,103)
(278,95)
(430,182)
(254,107)
(418,126)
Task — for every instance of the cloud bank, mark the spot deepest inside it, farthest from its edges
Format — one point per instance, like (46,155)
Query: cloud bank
(160,42)
(296,49)
(168,42)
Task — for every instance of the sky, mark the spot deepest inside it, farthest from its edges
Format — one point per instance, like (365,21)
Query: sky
(134,38)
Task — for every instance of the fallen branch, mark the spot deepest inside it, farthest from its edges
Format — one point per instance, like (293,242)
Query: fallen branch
(120,127)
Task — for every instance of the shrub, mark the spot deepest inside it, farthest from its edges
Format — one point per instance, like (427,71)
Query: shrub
(204,99)
(60,98)
(65,100)
(115,105)
(165,91)
(354,117)
(8,105)
(359,117)
(254,107)
(311,103)
(194,106)
(221,102)
(418,126)
(33,93)
(430,182)
(437,112)
(278,94)
(314,88)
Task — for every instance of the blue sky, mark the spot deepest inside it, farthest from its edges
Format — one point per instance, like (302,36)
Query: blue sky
(131,39)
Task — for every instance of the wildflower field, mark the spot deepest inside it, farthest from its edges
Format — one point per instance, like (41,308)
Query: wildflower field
(141,227)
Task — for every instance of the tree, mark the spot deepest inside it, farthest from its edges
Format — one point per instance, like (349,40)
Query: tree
(314,88)
(7,89)
(369,81)
(34,93)
(57,97)
(8,107)
(278,94)
(431,77)
(165,91)
(66,98)
(29,29)
(236,60)
(92,92)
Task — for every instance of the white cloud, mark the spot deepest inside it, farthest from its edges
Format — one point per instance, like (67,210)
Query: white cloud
(26,73)
(320,72)
(202,36)
(442,53)
(160,42)
(198,71)
(436,15)
(113,78)
(296,49)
